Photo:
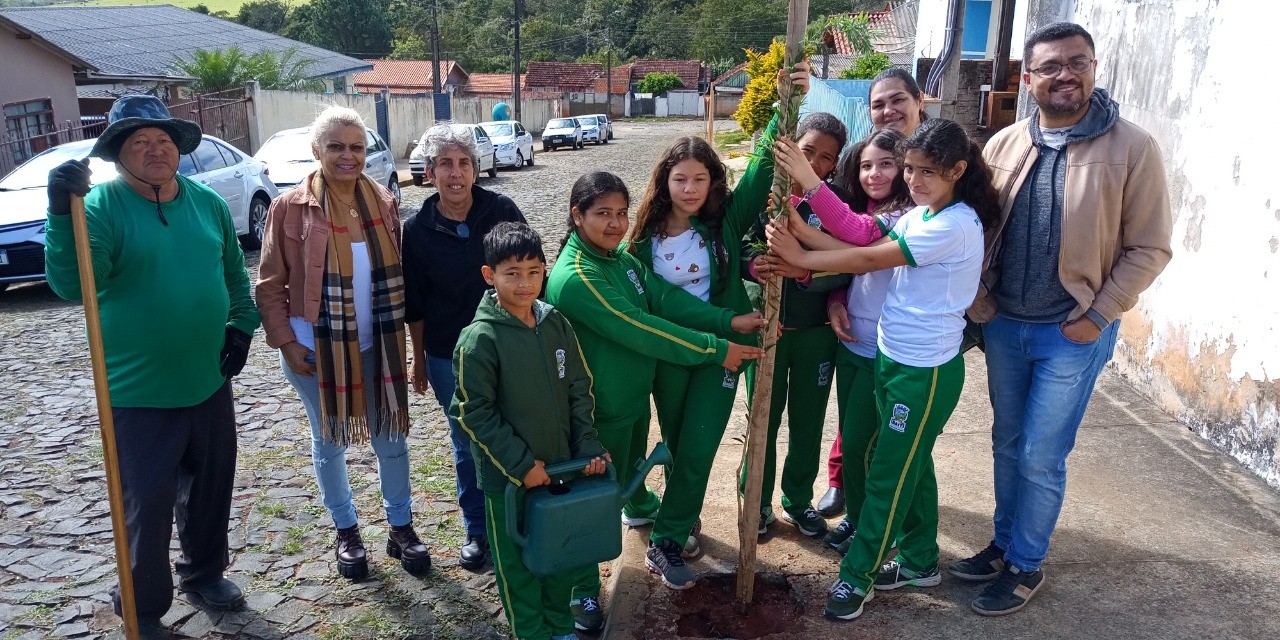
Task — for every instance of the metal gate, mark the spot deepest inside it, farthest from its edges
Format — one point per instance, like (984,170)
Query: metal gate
(440,101)
(224,115)
(380,103)
(642,106)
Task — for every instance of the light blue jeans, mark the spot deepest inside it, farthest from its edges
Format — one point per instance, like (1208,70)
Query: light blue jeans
(330,459)
(1040,383)
(470,497)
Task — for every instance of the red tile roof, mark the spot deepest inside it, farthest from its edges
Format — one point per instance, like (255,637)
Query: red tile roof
(878,20)
(402,76)
(490,83)
(562,76)
(691,72)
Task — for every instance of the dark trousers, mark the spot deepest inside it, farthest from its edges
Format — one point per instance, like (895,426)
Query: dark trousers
(176,465)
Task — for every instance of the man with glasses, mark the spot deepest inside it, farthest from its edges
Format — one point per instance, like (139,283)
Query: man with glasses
(442,254)
(1085,228)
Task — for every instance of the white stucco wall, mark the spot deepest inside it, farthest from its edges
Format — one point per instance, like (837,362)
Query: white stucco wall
(931,28)
(1204,341)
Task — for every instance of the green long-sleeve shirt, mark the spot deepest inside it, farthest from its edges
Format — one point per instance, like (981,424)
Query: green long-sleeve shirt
(627,319)
(523,394)
(742,210)
(165,293)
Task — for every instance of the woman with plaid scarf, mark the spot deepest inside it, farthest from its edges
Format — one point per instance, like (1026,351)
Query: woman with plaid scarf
(331,292)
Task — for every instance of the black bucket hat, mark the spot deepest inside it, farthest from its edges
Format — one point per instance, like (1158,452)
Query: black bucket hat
(133,112)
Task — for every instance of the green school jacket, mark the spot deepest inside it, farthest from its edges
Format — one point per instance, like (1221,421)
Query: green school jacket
(523,393)
(742,210)
(627,319)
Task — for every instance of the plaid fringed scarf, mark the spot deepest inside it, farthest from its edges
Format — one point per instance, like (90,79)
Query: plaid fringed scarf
(343,395)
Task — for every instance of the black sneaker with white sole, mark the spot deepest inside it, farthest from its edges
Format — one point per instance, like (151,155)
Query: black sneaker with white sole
(986,565)
(893,575)
(839,537)
(587,615)
(844,601)
(1009,593)
(806,520)
(664,559)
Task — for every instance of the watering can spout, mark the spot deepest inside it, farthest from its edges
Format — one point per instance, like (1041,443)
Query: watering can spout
(660,455)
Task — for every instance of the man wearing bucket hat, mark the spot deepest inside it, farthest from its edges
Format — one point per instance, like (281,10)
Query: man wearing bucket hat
(177,317)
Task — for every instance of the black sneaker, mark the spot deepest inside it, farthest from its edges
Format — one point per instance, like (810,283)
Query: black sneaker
(807,521)
(982,567)
(844,602)
(840,536)
(1009,593)
(664,559)
(587,615)
(894,575)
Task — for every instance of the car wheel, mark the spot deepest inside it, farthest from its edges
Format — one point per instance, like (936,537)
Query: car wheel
(519,160)
(546,149)
(257,223)
(493,166)
(393,185)
(606,140)
(417,181)
(530,160)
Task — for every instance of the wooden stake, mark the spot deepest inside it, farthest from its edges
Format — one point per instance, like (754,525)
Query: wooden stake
(758,417)
(93,324)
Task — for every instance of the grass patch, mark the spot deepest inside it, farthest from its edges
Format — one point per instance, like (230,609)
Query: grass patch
(296,534)
(731,138)
(370,625)
(41,615)
(273,509)
(435,475)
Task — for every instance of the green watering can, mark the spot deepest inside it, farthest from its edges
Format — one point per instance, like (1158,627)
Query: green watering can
(574,524)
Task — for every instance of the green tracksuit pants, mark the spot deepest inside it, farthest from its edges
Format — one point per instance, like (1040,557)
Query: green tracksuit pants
(902,491)
(694,405)
(626,442)
(804,364)
(859,425)
(536,608)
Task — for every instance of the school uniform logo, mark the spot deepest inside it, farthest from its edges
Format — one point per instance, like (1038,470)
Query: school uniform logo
(635,279)
(560,362)
(814,221)
(730,381)
(898,421)
(824,374)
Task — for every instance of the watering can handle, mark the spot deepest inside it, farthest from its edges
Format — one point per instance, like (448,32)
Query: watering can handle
(515,492)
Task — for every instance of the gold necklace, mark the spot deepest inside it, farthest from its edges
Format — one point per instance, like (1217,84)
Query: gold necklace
(351,207)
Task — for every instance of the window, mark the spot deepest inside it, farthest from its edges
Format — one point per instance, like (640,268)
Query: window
(26,124)
(519,129)
(232,156)
(187,166)
(207,155)
(480,135)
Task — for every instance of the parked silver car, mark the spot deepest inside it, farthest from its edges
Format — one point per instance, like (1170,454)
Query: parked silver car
(562,132)
(512,143)
(606,125)
(488,161)
(288,155)
(592,131)
(238,178)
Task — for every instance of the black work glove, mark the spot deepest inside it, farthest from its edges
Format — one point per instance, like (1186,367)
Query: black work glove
(67,178)
(235,351)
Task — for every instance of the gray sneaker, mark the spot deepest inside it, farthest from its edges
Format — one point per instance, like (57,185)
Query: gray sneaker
(986,565)
(1011,591)
(766,519)
(806,520)
(894,575)
(664,559)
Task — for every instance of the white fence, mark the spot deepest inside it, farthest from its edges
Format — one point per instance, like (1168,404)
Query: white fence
(279,110)
(534,112)
(407,118)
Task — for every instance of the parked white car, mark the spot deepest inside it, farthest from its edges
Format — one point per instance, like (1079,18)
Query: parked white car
(238,178)
(288,155)
(561,132)
(606,124)
(488,162)
(591,130)
(512,143)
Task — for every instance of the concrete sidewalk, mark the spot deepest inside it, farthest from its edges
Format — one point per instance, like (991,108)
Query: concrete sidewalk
(1161,536)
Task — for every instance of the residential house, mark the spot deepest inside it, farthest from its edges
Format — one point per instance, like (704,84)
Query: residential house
(409,77)
(893,32)
(562,77)
(489,85)
(40,96)
(694,76)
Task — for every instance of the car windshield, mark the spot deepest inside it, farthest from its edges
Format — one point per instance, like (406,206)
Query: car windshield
(587,121)
(287,147)
(498,130)
(560,123)
(35,173)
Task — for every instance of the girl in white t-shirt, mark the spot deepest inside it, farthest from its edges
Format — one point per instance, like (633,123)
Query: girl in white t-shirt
(936,253)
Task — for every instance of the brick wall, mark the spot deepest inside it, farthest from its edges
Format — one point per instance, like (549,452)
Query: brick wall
(973,74)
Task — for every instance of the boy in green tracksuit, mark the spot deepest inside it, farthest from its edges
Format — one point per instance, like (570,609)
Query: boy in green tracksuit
(628,320)
(524,397)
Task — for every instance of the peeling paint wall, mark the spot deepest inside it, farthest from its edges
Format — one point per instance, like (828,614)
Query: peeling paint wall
(1204,341)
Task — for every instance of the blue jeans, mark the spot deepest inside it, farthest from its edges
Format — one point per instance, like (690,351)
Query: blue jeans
(330,459)
(1040,383)
(470,497)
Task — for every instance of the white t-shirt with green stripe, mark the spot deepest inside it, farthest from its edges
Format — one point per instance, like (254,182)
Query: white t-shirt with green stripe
(923,317)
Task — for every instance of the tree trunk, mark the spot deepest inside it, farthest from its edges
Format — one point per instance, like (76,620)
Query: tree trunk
(758,416)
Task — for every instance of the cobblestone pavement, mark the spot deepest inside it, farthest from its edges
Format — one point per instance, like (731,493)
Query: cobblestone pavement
(56,555)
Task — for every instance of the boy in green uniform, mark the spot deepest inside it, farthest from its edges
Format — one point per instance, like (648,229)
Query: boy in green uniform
(524,398)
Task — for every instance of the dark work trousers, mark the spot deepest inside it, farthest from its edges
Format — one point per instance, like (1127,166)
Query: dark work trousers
(176,465)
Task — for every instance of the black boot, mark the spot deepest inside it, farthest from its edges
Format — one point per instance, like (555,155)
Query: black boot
(832,503)
(475,553)
(403,543)
(352,563)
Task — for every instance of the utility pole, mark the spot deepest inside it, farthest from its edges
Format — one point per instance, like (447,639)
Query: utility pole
(515,62)
(435,49)
(608,74)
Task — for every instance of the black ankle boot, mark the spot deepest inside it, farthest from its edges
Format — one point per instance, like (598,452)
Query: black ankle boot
(352,562)
(403,543)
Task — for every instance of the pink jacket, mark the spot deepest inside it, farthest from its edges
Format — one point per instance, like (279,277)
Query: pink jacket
(291,268)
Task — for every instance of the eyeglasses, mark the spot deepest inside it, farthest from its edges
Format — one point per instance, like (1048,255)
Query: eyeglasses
(1052,69)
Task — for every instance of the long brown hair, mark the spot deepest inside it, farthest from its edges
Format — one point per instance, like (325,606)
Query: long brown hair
(849,176)
(655,208)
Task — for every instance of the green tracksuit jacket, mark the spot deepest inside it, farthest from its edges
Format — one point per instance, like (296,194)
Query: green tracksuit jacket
(628,319)
(523,393)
